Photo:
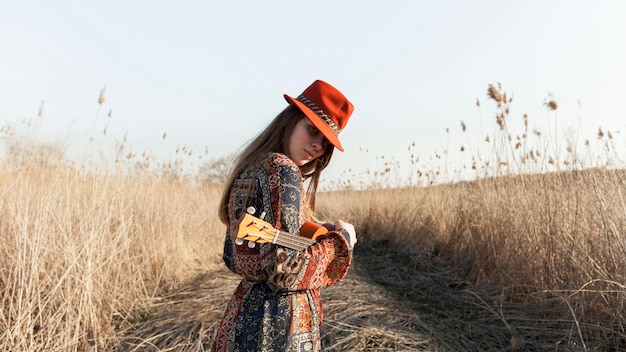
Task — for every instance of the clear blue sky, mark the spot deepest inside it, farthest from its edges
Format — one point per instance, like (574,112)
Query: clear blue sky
(212,73)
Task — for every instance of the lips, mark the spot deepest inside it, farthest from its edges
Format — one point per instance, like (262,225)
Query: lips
(308,155)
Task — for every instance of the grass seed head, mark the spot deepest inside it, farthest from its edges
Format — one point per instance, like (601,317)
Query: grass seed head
(101,97)
(40,112)
(494,93)
(552,105)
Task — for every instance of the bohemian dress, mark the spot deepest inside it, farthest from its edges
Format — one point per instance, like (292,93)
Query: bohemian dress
(277,305)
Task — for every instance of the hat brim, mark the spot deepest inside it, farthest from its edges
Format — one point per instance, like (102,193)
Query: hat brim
(317,122)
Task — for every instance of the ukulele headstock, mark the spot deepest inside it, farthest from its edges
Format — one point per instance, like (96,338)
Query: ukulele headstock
(254,229)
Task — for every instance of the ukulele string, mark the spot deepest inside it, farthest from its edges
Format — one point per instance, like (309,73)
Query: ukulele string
(287,239)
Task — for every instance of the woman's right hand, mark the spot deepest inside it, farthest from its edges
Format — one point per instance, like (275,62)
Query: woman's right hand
(349,228)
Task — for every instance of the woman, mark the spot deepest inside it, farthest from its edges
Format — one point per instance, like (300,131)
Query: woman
(277,305)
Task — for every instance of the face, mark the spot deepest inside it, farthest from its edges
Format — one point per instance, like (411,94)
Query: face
(306,142)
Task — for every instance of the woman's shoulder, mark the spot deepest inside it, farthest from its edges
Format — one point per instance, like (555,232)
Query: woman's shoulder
(280,164)
(279,160)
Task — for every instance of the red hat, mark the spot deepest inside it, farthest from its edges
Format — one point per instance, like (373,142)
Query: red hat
(326,107)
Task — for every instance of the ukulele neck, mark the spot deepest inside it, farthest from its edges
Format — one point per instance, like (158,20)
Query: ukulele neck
(287,239)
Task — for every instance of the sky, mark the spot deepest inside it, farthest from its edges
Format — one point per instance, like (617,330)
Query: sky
(212,74)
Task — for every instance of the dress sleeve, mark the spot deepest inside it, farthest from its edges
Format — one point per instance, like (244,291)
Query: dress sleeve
(322,264)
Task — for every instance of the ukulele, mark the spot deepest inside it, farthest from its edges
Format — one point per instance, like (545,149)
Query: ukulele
(255,230)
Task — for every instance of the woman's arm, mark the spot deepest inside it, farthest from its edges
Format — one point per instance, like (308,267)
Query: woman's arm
(322,264)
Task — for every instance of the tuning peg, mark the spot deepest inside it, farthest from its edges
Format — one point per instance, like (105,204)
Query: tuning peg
(250,210)
(240,241)
(262,216)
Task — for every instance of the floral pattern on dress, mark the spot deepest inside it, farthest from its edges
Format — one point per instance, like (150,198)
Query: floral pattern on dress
(277,305)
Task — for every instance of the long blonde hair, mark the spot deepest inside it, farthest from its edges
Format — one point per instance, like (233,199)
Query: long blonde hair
(275,139)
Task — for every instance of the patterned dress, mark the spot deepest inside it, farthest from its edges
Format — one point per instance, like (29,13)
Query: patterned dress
(277,305)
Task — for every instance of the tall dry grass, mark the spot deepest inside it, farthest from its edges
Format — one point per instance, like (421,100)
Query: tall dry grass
(83,256)
(549,242)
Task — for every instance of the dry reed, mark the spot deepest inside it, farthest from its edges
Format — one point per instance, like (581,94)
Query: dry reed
(83,256)
(528,256)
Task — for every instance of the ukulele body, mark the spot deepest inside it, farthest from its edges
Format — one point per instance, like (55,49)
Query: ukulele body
(312,230)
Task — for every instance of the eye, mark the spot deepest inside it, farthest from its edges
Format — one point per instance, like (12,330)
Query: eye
(314,132)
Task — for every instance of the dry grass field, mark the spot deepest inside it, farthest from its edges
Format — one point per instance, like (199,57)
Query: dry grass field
(522,258)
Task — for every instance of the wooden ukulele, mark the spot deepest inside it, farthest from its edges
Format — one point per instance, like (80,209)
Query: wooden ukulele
(255,230)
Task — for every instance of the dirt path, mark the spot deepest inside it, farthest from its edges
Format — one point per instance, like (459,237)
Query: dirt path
(390,301)
(398,302)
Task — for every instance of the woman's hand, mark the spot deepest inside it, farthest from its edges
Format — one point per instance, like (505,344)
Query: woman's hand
(351,233)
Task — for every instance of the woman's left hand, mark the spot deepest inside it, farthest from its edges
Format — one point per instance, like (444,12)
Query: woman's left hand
(349,229)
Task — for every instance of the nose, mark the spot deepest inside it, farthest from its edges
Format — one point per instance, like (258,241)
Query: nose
(319,142)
